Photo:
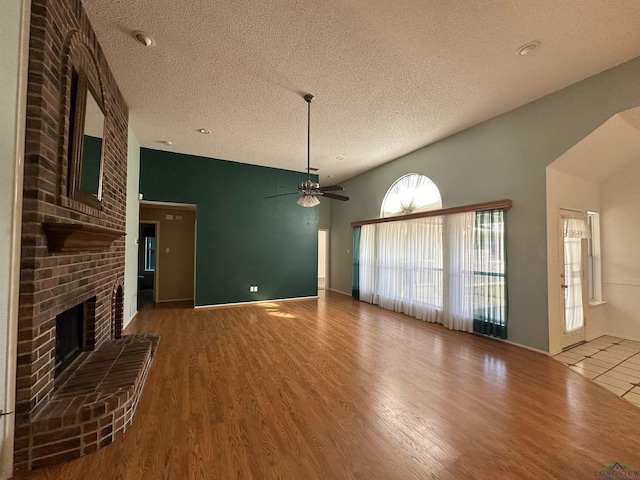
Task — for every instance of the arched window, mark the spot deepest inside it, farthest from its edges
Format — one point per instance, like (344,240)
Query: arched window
(411,193)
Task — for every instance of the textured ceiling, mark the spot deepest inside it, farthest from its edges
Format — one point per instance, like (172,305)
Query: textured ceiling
(389,76)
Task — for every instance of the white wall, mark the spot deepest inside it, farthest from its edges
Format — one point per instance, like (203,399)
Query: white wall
(322,253)
(620,234)
(572,193)
(13,57)
(131,249)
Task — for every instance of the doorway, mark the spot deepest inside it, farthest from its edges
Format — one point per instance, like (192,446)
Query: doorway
(323,259)
(573,285)
(175,250)
(147,248)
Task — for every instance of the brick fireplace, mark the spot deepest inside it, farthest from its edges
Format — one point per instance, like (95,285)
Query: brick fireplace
(73,256)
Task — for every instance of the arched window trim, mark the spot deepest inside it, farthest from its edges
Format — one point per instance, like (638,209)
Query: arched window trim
(411,193)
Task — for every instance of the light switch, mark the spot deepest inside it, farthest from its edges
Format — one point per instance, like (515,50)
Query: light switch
(178,217)
(168,216)
(166,250)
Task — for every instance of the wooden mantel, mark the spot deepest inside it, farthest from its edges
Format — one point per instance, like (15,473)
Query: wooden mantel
(75,237)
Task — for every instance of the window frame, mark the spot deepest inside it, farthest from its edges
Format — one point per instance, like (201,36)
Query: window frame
(428,184)
(594,262)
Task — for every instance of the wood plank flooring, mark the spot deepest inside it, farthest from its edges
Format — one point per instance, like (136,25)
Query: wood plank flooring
(338,389)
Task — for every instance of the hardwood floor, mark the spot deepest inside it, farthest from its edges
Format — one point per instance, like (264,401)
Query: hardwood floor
(340,389)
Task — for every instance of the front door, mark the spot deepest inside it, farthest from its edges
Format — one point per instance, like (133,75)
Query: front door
(573,231)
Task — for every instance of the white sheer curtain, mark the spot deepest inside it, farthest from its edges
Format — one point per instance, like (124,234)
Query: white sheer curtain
(401,266)
(459,271)
(421,267)
(368,263)
(574,230)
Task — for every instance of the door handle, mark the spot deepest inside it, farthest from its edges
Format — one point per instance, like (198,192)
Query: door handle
(564,286)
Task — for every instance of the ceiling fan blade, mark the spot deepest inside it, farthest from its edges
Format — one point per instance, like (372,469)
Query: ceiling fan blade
(283,194)
(331,188)
(334,196)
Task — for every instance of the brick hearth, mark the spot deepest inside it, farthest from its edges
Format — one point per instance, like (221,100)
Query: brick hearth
(94,402)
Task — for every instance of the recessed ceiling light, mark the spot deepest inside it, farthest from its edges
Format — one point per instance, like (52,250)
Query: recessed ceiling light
(339,157)
(329,176)
(168,143)
(204,131)
(144,38)
(528,48)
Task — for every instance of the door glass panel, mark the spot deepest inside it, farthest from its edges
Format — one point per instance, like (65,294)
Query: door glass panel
(574,230)
(573,310)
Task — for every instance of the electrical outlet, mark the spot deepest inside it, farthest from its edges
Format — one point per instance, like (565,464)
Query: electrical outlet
(255,288)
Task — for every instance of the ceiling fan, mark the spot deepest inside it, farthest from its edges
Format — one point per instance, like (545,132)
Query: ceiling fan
(311,190)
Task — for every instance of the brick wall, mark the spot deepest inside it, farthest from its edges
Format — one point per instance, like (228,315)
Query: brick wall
(61,37)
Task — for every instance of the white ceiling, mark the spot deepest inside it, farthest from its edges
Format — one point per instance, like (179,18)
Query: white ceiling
(389,76)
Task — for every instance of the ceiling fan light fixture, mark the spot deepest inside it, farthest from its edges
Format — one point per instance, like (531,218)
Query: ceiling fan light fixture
(308,201)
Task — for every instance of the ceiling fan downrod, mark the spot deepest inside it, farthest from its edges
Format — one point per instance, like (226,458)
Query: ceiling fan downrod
(308,98)
(312,190)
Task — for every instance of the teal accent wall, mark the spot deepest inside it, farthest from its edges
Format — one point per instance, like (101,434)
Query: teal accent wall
(504,157)
(242,238)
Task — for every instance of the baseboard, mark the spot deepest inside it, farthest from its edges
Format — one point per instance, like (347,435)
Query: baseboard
(624,337)
(339,291)
(176,300)
(220,305)
(124,327)
(524,346)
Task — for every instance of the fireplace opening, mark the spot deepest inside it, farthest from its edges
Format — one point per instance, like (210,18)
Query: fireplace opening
(69,337)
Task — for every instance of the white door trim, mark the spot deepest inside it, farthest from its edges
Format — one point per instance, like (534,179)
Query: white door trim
(7,425)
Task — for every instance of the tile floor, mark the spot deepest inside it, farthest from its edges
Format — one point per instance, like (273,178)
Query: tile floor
(612,362)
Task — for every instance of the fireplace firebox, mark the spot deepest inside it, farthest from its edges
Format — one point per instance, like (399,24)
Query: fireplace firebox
(69,336)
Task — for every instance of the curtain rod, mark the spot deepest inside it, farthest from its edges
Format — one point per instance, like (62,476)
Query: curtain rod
(494,205)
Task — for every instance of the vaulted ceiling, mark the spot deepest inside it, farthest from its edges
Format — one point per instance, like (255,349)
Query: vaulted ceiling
(605,151)
(389,76)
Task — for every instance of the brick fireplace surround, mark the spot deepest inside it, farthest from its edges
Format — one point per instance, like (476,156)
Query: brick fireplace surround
(93,401)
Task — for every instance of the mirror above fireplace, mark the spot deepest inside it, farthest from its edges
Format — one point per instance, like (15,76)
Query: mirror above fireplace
(86,142)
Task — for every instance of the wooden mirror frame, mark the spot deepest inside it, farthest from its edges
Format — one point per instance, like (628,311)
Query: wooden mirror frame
(80,88)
